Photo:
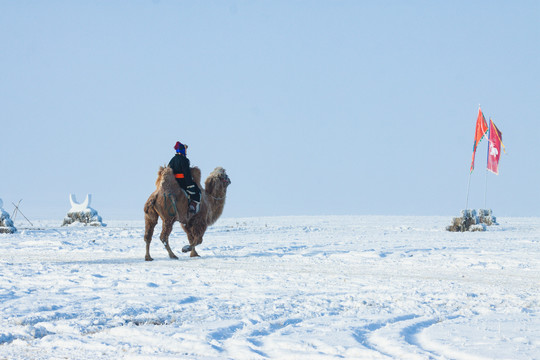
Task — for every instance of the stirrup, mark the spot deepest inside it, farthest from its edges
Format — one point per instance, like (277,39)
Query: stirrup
(193,207)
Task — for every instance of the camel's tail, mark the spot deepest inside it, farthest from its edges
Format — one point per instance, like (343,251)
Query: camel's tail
(149,205)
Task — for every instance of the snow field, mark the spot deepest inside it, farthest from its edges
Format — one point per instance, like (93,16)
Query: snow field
(357,287)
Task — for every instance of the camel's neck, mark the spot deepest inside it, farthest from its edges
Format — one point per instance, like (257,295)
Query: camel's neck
(216,203)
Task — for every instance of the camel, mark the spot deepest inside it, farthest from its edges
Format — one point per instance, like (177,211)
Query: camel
(170,203)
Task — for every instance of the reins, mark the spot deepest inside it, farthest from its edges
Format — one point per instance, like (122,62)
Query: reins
(173,203)
(217,198)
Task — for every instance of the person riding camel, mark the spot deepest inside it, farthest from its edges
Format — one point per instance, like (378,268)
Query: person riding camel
(182,172)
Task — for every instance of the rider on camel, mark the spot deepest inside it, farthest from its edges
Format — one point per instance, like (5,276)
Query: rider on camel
(182,172)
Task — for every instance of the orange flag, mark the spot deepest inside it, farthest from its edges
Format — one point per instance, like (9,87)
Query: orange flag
(480,131)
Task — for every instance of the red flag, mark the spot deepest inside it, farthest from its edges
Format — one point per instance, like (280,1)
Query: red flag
(480,131)
(494,148)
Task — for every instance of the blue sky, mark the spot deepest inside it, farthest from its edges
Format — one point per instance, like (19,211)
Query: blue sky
(312,107)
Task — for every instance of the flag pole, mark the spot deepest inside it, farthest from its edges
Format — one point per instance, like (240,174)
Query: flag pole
(468,188)
(487,161)
(470,172)
(485,189)
(479,132)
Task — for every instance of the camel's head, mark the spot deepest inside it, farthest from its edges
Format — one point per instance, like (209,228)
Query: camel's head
(222,176)
(218,179)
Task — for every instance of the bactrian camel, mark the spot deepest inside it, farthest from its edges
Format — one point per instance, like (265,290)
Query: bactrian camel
(169,202)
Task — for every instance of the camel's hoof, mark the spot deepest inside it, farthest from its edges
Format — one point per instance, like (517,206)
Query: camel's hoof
(174,257)
(148,258)
(194,255)
(186,248)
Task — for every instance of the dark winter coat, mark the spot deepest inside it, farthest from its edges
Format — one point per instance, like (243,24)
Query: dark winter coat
(180,165)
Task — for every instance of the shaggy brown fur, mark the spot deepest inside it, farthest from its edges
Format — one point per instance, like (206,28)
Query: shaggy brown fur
(169,202)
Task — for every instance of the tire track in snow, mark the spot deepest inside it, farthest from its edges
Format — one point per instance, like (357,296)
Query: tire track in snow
(363,334)
(251,335)
(397,337)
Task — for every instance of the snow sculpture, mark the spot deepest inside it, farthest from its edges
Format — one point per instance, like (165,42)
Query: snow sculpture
(6,224)
(82,213)
(470,221)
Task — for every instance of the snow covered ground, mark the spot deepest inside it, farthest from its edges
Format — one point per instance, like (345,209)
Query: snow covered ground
(358,287)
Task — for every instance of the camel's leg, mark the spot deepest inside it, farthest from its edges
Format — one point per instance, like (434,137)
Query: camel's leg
(198,241)
(150,221)
(195,239)
(192,241)
(195,234)
(164,237)
(193,252)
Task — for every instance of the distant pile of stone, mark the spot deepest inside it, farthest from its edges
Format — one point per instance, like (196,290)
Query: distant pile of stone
(82,213)
(470,220)
(6,224)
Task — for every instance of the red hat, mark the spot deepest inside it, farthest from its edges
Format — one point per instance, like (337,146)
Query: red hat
(180,148)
